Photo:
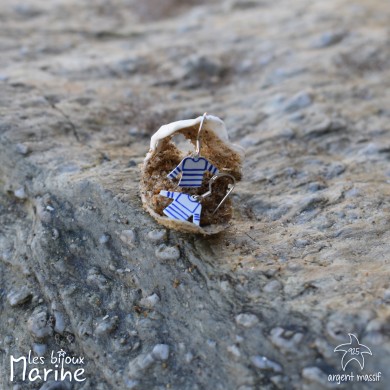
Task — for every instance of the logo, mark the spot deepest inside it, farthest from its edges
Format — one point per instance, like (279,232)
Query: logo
(36,368)
(352,351)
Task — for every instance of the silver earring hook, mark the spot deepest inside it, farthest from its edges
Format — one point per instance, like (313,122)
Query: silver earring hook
(209,192)
(198,141)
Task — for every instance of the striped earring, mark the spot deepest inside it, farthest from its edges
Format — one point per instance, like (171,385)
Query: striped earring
(184,206)
(193,168)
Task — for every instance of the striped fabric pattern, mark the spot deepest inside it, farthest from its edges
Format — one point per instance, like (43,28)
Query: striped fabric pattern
(182,207)
(192,170)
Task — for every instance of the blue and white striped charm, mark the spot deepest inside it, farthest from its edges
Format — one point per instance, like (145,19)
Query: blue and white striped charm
(183,207)
(192,170)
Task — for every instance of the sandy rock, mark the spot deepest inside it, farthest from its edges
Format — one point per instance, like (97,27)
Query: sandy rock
(18,297)
(82,89)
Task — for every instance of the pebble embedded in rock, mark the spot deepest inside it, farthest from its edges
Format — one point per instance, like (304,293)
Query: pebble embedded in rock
(188,357)
(247,320)
(301,243)
(273,286)
(281,381)
(165,253)
(104,238)
(157,235)
(234,351)
(386,296)
(161,351)
(333,170)
(131,384)
(150,301)
(327,39)
(38,325)
(264,363)
(59,326)
(300,100)
(22,149)
(97,278)
(288,344)
(211,343)
(43,214)
(139,365)
(324,348)
(128,237)
(39,349)
(20,193)
(315,376)
(106,325)
(84,329)
(55,234)
(20,296)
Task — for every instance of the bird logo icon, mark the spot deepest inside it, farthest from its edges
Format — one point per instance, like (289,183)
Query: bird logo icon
(352,351)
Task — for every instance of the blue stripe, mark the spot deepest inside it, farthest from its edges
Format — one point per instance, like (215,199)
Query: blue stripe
(178,169)
(178,211)
(190,185)
(166,212)
(193,174)
(190,181)
(182,205)
(214,170)
(172,213)
(210,168)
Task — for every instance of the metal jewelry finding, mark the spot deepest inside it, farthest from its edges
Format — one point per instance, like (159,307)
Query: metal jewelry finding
(199,198)
(198,141)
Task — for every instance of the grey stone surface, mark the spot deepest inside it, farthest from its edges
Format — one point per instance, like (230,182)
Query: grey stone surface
(303,85)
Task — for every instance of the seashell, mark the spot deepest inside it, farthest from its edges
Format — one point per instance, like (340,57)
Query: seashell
(164,155)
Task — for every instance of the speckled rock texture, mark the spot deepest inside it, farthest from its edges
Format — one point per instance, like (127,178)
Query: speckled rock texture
(303,85)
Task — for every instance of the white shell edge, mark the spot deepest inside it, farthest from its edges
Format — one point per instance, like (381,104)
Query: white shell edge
(215,124)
